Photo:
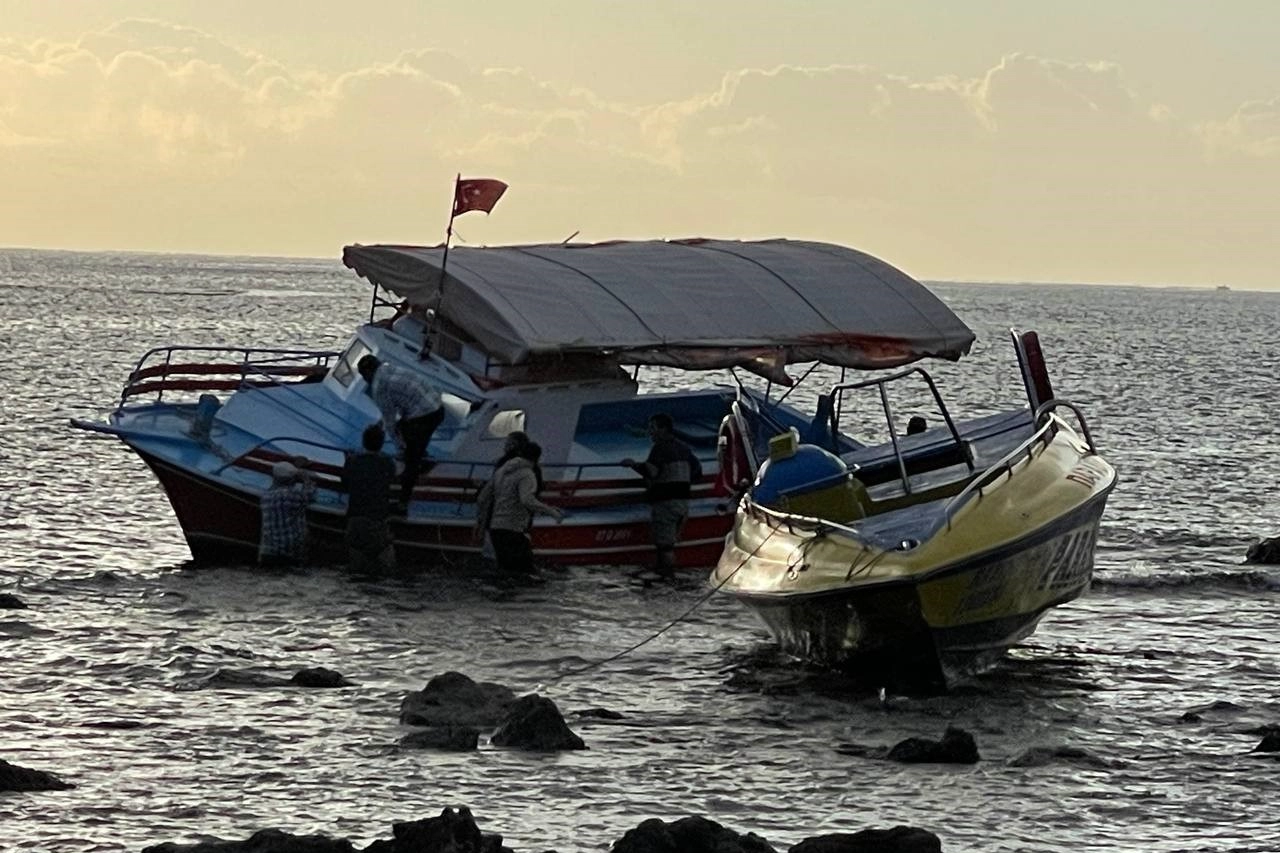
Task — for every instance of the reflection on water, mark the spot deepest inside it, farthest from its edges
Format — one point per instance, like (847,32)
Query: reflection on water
(112,674)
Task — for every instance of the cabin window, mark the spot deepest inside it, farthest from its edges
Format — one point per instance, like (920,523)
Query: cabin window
(345,370)
(506,422)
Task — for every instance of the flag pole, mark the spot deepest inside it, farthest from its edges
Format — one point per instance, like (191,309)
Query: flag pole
(444,263)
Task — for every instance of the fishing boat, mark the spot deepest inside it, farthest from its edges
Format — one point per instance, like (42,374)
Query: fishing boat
(923,557)
(548,339)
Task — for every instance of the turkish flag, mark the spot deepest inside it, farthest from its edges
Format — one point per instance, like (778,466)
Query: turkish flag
(477,194)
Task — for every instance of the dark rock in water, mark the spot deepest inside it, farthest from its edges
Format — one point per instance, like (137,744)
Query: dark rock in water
(15,778)
(956,747)
(453,699)
(1039,756)
(454,831)
(11,602)
(230,677)
(598,714)
(264,841)
(318,676)
(1267,551)
(452,738)
(535,723)
(1270,743)
(900,839)
(688,835)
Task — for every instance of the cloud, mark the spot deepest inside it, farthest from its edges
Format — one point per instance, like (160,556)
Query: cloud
(148,135)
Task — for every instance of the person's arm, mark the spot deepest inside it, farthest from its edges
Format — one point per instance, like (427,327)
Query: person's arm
(648,468)
(527,489)
(484,507)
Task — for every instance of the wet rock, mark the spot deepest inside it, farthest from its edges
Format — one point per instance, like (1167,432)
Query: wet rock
(453,699)
(231,678)
(454,831)
(598,714)
(956,747)
(900,839)
(264,841)
(15,778)
(318,676)
(688,835)
(1039,756)
(1267,551)
(1270,743)
(11,602)
(535,723)
(450,738)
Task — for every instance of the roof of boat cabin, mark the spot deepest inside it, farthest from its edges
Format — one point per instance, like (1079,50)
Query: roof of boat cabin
(694,304)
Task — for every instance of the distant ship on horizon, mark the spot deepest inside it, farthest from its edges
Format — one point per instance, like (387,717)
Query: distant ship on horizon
(1223,287)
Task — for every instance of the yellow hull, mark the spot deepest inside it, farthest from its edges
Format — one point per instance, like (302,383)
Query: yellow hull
(963,575)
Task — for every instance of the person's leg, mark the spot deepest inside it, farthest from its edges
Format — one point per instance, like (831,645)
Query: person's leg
(509,550)
(667,517)
(415,434)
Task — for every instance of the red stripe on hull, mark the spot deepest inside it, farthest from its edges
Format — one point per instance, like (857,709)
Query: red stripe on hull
(220,521)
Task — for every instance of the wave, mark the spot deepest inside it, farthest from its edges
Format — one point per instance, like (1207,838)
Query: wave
(1246,580)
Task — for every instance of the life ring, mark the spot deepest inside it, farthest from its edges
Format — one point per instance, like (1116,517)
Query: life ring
(734,466)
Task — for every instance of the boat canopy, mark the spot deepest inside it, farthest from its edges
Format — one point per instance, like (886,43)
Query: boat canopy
(693,304)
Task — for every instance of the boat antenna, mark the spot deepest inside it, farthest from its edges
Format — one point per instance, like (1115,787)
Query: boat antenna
(571,236)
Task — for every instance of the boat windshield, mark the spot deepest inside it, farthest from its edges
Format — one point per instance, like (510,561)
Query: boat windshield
(345,370)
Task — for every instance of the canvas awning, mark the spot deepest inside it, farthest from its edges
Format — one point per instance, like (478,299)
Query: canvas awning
(693,304)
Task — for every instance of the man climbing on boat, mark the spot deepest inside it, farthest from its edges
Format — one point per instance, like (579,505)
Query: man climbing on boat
(411,408)
(669,473)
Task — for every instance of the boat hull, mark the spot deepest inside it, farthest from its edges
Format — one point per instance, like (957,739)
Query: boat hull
(221,522)
(928,592)
(930,631)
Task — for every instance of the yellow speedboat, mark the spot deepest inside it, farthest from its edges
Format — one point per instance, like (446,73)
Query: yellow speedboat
(923,557)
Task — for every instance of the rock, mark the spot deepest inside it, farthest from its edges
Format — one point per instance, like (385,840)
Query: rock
(900,839)
(454,831)
(1039,756)
(451,738)
(956,747)
(15,778)
(11,602)
(534,723)
(263,841)
(598,714)
(1270,743)
(453,699)
(318,676)
(688,835)
(1267,551)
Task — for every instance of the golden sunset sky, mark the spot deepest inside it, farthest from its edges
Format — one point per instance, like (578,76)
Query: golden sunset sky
(1118,141)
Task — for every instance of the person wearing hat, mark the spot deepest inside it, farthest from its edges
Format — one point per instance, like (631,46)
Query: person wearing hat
(411,408)
(283,540)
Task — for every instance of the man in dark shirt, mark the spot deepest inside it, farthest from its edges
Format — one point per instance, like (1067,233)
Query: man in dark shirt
(368,476)
(669,473)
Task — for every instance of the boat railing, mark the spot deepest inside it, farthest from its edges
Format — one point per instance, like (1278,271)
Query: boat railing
(573,488)
(1007,463)
(881,384)
(1049,405)
(192,368)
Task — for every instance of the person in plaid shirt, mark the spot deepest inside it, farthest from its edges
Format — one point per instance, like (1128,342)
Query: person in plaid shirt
(284,516)
(411,408)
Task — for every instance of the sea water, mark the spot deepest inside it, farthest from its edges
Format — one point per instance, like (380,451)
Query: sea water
(1156,681)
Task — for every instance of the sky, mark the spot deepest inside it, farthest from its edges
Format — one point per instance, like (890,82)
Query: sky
(1132,142)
